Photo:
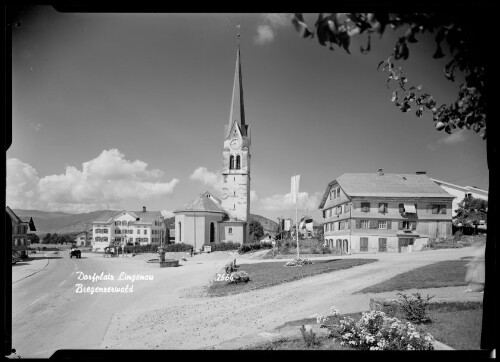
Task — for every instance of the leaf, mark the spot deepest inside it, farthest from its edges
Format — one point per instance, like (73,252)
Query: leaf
(301,27)
(439,53)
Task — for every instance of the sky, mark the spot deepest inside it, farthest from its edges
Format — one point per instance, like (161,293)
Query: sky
(121,111)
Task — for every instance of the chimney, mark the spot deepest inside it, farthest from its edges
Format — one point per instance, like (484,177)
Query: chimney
(380,172)
(144,209)
(421,172)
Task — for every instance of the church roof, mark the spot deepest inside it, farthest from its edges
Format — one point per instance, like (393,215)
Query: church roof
(204,202)
(237,113)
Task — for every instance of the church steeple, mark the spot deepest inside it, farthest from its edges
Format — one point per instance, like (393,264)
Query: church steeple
(237,112)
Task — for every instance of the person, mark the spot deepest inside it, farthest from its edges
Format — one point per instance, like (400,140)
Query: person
(475,270)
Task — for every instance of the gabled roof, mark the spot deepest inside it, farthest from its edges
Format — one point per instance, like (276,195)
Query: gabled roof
(387,185)
(203,202)
(12,214)
(463,188)
(145,217)
(106,217)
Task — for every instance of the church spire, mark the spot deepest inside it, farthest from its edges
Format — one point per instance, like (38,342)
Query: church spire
(237,107)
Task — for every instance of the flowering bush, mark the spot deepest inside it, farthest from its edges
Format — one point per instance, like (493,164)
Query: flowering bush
(238,277)
(375,331)
(298,262)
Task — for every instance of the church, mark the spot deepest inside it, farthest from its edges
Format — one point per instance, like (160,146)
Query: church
(209,219)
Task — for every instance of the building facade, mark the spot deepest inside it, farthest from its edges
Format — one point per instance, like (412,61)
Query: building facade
(21,226)
(124,227)
(384,212)
(461,192)
(208,219)
(84,238)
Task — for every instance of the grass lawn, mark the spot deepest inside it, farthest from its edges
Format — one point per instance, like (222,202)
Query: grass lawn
(267,274)
(456,324)
(448,273)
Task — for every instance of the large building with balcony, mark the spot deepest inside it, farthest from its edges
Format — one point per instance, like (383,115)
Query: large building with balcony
(124,227)
(380,212)
(21,225)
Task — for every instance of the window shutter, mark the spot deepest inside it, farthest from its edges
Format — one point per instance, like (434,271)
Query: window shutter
(443,209)
(389,223)
(401,208)
(435,208)
(358,224)
(400,225)
(413,225)
(373,224)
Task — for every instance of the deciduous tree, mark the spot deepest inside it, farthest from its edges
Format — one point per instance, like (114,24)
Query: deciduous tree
(471,211)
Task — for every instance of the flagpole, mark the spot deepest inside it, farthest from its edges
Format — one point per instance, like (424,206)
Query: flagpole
(297,221)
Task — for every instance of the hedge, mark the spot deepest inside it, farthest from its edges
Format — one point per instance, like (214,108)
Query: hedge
(224,246)
(245,248)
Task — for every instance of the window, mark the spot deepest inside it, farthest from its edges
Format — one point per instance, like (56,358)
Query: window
(407,225)
(439,209)
(365,206)
(105,231)
(145,240)
(145,231)
(382,244)
(238,162)
(117,231)
(347,224)
(363,244)
(231,162)
(180,231)
(347,207)
(365,224)
(382,207)
(339,210)
(139,230)
(104,239)
(401,208)
(230,231)
(382,224)
(97,238)
(97,231)
(324,214)
(338,191)
(331,191)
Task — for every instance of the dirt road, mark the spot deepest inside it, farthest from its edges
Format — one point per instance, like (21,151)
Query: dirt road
(182,319)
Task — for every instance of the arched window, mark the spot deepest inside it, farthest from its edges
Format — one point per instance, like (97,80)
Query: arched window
(180,231)
(212,232)
(231,162)
(238,162)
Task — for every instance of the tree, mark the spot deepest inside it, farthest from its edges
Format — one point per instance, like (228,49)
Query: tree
(471,211)
(33,238)
(468,47)
(256,230)
(47,238)
(469,37)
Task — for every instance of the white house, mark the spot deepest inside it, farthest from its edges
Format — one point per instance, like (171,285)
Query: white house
(460,192)
(119,227)
(84,238)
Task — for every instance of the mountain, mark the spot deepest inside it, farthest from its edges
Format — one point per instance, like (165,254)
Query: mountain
(63,223)
(267,224)
(59,222)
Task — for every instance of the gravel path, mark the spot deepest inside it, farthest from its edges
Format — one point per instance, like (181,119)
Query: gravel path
(183,318)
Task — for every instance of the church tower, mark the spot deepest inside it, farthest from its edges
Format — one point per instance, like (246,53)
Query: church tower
(236,153)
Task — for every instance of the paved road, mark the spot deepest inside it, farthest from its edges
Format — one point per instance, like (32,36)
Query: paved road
(48,313)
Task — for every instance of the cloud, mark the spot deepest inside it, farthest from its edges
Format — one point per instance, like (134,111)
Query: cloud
(454,138)
(106,180)
(253,196)
(36,126)
(280,202)
(209,178)
(167,213)
(269,23)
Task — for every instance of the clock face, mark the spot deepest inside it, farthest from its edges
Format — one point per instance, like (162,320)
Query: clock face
(235,144)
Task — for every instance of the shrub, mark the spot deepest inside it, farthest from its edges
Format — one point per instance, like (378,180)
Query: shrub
(239,277)
(309,337)
(245,248)
(224,246)
(375,331)
(177,247)
(415,309)
(298,262)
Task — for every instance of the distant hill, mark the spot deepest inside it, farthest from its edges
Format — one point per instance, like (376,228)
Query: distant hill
(267,224)
(59,222)
(63,223)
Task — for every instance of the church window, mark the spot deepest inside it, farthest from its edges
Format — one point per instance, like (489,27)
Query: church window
(231,162)
(238,162)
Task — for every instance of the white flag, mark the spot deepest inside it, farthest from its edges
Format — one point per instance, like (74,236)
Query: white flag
(295,188)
